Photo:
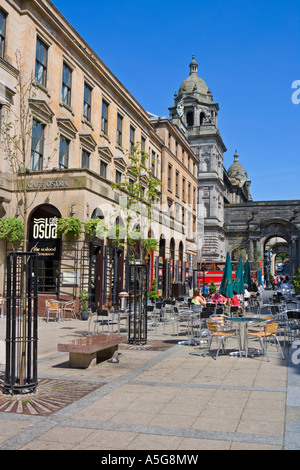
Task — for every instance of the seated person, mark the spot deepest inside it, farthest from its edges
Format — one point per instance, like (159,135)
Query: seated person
(233,301)
(247,295)
(198,298)
(218,298)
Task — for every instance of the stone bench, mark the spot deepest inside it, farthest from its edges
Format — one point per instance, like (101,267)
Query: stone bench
(90,350)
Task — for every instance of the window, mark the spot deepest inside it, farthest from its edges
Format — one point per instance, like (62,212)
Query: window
(119,130)
(183,189)
(85,159)
(177,184)
(66,85)
(131,139)
(37,146)
(104,120)
(3,17)
(87,102)
(103,169)
(63,153)
(153,163)
(118,177)
(41,62)
(170,177)
(190,118)
(189,193)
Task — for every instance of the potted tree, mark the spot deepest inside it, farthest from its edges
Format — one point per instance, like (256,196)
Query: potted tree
(153,295)
(84,312)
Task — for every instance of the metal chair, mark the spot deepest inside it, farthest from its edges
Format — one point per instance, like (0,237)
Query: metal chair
(269,332)
(103,317)
(293,323)
(53,307)
(70,307)
(216,330)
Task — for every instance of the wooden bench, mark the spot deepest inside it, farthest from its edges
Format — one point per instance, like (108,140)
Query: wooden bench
(90,350)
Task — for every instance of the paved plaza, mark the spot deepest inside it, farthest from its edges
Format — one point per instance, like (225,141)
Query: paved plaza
(164,396)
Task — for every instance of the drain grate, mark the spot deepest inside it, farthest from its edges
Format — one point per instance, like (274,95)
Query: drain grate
(51,395)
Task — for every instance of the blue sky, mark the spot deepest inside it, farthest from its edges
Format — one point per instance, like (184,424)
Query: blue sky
(248,53)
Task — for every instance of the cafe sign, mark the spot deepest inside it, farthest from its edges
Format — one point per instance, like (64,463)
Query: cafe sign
(44,228)
(47,184)
(43,238)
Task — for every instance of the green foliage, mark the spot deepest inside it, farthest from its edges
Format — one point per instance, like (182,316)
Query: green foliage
(11,229)
(84,297)
(70,227)
(140,189)
(149,244)
(296,282)
(212,288)
(153,292)
(91,227)
(117,234)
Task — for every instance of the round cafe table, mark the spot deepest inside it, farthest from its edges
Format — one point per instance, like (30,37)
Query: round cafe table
(243,323)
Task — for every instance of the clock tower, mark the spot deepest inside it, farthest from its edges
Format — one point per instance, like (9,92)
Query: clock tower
(195,113)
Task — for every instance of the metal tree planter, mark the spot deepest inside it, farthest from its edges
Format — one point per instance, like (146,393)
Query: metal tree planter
(138,293)
(21,323)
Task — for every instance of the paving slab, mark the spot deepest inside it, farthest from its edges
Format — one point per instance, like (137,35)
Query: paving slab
(163,396)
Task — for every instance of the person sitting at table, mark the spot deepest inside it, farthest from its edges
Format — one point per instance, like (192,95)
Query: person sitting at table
(247,296)
(218,298)
(233,301)
(198,298)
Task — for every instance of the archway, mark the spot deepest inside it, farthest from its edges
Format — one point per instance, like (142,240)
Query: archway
(274,234)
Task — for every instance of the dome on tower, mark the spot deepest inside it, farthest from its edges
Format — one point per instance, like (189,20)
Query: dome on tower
(236,170)
(193,84)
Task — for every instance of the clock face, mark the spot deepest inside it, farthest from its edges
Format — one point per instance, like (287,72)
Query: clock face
(180,109)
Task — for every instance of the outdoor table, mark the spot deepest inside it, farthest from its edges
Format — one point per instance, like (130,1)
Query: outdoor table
(190,316)
(243,323)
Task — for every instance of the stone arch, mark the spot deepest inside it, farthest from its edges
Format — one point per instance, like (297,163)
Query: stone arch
(284,229)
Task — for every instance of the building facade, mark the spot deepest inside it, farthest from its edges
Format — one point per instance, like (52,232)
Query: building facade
(82,125)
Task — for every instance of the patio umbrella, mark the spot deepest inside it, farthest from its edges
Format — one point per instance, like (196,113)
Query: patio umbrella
(259,277)
(238,283)
(226,287)
(247,276)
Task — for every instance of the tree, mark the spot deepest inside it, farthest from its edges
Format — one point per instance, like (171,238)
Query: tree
(153,292)
(140,191)
(296,282)
(16,142)
(16,138)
